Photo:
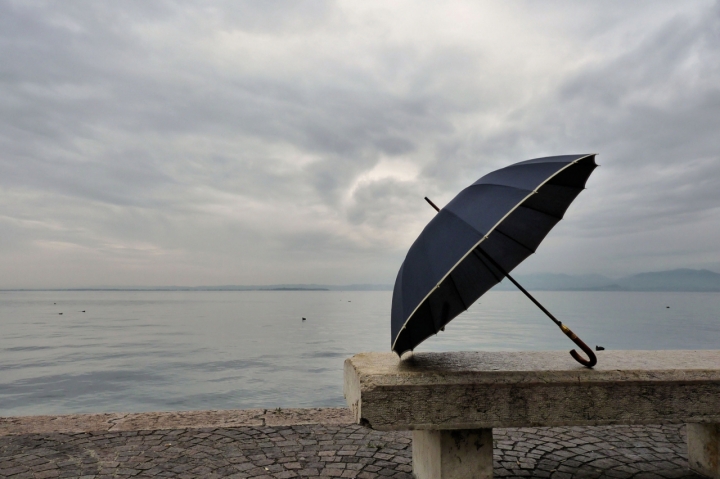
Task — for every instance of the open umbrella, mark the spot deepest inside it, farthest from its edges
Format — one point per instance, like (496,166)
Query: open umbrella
(478,239)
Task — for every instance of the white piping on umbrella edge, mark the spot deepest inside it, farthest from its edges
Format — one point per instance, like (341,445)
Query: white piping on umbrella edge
(437,286)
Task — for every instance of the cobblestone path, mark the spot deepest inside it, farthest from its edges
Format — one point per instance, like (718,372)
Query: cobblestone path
(640,452)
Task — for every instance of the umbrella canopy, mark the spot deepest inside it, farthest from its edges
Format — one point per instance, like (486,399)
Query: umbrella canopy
(483,233)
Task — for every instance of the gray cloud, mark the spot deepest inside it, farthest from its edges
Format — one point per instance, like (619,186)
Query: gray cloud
(245,142)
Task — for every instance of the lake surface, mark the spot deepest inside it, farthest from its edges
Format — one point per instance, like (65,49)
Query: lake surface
(153,351)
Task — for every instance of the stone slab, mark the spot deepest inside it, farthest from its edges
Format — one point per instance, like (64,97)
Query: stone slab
(299,416)
(152,421)
(464,454)
(68,423)
(475,390)
(704,449)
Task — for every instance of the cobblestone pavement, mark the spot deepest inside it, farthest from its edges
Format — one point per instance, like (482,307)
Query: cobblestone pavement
(640,452)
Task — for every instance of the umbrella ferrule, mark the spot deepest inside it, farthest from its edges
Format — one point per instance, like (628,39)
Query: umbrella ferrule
(568,332)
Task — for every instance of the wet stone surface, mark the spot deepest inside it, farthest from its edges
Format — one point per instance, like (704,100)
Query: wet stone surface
(642,452)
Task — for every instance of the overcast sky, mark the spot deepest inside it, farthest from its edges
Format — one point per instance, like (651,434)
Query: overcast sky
(206,143)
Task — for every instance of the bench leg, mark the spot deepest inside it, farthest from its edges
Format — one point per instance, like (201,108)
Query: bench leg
(466,454)
(704,449)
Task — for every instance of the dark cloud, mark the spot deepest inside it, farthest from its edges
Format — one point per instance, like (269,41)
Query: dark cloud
(248,142)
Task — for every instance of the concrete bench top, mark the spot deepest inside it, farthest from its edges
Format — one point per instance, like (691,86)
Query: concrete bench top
(465,390)
(535,366)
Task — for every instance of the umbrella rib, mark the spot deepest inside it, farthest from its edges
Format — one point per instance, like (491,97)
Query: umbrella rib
(457,290)
(513,239)
(523,205)
(487,265)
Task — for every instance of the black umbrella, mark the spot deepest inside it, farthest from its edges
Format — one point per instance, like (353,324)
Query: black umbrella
(477,239)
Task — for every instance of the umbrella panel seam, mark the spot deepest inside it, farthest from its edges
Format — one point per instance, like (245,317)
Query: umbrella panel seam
(497,230)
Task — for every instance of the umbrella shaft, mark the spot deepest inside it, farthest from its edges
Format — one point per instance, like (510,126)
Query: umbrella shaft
(537,303)
(530,296)
(585,362)
(432,204)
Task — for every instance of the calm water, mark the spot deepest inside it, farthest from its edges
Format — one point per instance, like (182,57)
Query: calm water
(143,351)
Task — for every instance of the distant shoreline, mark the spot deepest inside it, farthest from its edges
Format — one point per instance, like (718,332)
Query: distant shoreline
(678,280)
(163,289)
(210,290)
(188,289)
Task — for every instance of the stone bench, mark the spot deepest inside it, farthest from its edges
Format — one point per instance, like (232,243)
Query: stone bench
(451,401)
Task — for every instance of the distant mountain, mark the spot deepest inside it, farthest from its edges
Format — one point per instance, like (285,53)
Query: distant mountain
(673,280)
(558,282)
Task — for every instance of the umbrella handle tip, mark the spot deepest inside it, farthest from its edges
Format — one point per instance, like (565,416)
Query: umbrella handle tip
(592,359)
(588,363)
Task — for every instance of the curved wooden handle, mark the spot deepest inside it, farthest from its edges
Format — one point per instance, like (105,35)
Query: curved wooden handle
(588,363)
